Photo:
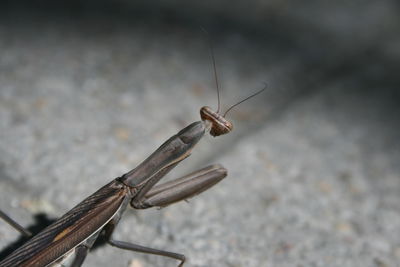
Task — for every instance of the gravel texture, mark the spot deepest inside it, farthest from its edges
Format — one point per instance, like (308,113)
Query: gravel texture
(88,91)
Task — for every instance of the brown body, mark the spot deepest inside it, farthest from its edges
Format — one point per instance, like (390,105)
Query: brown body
(71,229)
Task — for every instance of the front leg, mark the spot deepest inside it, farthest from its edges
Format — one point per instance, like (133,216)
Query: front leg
(181,188)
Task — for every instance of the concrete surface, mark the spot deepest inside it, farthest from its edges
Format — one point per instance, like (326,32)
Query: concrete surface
(313,162)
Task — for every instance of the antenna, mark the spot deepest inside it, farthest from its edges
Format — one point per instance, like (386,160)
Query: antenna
(216,79)
(214,67)
(247,98)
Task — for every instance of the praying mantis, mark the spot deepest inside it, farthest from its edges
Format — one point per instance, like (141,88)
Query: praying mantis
(68,240)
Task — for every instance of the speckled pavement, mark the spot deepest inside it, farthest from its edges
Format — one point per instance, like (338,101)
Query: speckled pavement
(313,161)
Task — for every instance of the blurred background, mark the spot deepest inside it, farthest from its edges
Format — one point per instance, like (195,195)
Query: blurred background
(88,89)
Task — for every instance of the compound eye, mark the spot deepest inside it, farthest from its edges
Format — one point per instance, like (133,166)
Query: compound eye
(219,125)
